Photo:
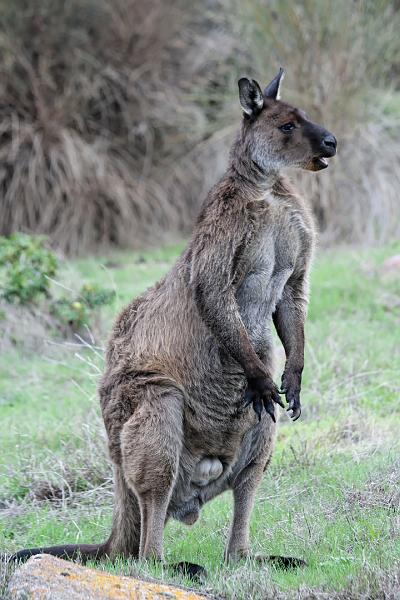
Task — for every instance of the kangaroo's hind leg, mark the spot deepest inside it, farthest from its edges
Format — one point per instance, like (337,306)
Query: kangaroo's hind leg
(125,534)
(244,490)
(244,486)
(151,443)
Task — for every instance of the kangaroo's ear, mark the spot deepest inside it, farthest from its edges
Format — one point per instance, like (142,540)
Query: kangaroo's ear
(250,96)
(273,89)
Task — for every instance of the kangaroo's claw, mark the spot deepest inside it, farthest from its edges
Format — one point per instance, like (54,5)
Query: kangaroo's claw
(269,408)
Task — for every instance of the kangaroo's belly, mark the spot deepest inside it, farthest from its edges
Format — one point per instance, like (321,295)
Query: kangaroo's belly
(202,478)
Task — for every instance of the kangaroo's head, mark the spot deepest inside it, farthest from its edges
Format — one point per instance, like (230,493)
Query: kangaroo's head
(278,135)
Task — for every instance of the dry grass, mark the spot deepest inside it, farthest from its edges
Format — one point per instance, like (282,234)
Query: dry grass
(79,475)
(380,491)
(342,61)
(6,571)
(88,103)
(22,327)
(116,117)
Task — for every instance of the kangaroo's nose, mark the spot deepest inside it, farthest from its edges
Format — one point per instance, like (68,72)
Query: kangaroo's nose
(329,142)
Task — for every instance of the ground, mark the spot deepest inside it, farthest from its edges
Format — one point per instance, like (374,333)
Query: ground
(331,495)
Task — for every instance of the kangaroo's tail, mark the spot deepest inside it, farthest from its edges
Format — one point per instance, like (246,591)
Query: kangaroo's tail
(81,552)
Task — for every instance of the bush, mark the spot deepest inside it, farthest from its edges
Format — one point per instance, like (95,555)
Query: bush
(25,268)
(77,313)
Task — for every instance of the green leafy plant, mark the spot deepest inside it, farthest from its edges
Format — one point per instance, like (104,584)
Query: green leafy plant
(73,314)
(26,266)
(94,296)
(79,311)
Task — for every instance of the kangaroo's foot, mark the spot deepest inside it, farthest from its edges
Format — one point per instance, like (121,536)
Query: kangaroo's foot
(283,562)
(190,570)
(280,562)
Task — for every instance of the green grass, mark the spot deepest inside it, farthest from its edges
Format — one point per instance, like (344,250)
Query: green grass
(331,494)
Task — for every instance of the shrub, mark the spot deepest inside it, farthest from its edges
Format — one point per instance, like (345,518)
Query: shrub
(25,268)
(78,312)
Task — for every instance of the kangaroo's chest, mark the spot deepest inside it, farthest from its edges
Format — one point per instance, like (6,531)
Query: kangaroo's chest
(267,263)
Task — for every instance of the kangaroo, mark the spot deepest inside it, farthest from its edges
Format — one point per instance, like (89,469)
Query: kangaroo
(188,397)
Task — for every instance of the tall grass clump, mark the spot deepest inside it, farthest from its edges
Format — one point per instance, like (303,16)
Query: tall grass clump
(116,115)
(343,65)
(90,109)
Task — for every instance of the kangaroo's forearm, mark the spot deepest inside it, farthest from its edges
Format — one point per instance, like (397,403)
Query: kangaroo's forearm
(220,313)
(289,318)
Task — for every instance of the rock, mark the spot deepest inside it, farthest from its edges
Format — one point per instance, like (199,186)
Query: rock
(47,577)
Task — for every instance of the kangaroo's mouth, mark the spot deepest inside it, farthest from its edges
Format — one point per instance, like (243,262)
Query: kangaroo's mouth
(316,163)
(319,162)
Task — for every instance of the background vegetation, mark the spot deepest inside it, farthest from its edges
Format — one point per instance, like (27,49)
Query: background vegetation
(116,116)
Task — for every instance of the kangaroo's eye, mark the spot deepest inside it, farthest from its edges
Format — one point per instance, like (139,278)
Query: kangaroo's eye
(287,127)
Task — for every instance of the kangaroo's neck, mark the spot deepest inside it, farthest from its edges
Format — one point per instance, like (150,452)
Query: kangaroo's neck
(247,171)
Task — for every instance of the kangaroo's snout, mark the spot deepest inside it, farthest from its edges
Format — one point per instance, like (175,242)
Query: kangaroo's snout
(329,144)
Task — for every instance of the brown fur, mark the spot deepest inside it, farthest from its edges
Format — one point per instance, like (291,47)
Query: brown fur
(183,355)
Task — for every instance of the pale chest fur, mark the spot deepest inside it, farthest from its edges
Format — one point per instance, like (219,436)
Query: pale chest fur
(280,244)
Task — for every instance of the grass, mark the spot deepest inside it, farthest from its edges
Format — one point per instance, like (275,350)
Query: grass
(331,494)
